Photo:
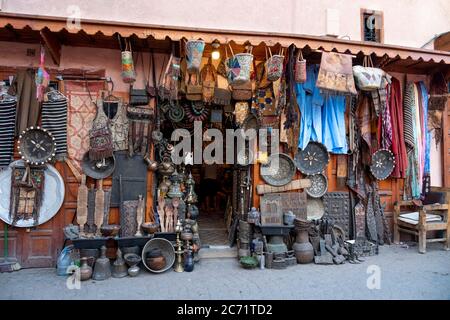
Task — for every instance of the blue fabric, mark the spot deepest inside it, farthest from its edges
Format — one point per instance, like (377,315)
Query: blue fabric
(425,122)
(310,104)
(322,119)
(334,125)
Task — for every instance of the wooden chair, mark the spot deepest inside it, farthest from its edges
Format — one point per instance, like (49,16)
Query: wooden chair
(423,218)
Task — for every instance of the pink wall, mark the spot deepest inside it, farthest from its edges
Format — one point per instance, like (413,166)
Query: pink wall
(406,22)
(14,54)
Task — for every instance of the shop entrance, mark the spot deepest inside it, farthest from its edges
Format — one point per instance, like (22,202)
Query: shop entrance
(214,185)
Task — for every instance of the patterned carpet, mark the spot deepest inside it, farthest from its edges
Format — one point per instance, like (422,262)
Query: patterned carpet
(212,228)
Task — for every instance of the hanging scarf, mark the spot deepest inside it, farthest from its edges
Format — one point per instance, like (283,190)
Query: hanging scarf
(397,121)
(415,163)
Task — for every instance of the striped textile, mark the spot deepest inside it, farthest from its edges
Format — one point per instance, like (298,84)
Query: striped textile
(54,119)
(407,117)
(7,130)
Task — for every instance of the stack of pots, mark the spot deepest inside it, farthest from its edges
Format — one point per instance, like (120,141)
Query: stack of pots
(244,238)
(304,251)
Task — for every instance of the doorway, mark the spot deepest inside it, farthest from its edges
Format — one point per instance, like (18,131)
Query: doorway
(214,185)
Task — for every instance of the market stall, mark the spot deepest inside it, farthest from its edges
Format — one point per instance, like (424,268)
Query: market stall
(92,124)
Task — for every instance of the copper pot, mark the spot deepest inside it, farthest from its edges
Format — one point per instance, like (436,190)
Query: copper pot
(156,263)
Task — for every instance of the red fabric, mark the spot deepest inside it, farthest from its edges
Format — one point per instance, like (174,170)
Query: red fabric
(398,141)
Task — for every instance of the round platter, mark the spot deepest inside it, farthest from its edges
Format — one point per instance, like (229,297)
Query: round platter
(313,159)
(279,170)
(383,163)
(319,185)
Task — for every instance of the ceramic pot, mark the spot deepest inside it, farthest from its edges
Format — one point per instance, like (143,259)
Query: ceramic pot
(188,261)
(156,263)
(304,251)
(85,269)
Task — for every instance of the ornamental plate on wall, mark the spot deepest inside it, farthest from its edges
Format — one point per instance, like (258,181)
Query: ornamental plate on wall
(383,163)
(313,159)
(319,185)
(36,146)
(279,170)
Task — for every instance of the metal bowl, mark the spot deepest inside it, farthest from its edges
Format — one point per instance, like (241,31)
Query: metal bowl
(150,227)
(132,259)
(167,249)
(110,230)
(186,236)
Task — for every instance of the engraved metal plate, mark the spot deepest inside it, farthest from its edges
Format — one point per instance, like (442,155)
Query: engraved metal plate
(319,185)
(337,209)
(383,163)
(313,159)
(279,170)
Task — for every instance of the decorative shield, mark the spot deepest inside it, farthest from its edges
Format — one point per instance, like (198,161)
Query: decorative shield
(319,185)
(98,169)
(37,146)
(313,159)
(279,170)
(383,163)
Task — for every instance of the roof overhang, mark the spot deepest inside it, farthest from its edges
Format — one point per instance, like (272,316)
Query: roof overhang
(104,34)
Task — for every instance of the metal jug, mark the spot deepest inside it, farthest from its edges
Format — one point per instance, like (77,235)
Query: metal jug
(119,269)
(102,268)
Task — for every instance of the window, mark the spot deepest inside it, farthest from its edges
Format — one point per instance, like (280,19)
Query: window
(372,25)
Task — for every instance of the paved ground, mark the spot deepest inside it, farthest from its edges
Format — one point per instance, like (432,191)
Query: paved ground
(405,274)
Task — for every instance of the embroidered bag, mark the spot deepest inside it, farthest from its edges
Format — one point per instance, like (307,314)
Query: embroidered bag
(274,65)
(335,74)
(239,67)
(367,77)
(194,54)
(100,137)
(128,73)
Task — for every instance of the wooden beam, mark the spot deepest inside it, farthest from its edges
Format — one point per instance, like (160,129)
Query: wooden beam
(52,44)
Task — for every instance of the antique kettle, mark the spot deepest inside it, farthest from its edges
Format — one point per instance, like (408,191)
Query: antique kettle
(152,165)
(102,268)
(119,268)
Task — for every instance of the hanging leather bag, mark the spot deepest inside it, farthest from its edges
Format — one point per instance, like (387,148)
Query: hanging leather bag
(194,90)
(209,80)
(300,68)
